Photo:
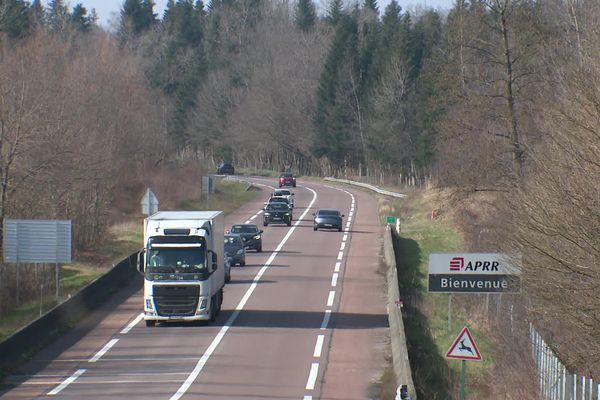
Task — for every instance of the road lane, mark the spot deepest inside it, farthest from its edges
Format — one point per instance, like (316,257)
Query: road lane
(268,351)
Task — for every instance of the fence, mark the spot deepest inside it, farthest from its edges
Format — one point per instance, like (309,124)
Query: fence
(556,382)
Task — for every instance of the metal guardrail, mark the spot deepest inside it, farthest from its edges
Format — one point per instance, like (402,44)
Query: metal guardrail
(44,329)
(367,186)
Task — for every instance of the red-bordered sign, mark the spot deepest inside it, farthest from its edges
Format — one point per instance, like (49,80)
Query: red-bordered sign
(464,347)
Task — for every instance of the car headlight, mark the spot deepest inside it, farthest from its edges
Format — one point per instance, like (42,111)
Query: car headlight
(257,237)
(287,214)
(267,214)
(240,251)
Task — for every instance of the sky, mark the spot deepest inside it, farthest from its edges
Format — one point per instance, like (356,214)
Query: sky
(108,10)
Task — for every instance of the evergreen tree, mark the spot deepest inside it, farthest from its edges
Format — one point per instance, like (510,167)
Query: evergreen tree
(334,12)
(14,18)
(57,16)
(80,19)
(36,14)
(372,5)
(306,15)
(136,17)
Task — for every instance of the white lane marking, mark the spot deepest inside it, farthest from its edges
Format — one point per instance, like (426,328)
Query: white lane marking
(330,298)
(351,214)
(337,266)
(326,319)
(312,376)
(319,346)
(340,255)
(345,237)
(334,279)
(217,340)
(342,246)
(252,217)
(133,323)
(307,398)
(106,347)
(66,382)
(348,224)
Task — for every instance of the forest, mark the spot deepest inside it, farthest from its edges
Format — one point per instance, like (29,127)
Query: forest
(497,101)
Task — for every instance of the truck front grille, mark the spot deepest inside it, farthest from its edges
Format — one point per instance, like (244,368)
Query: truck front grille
(176,301)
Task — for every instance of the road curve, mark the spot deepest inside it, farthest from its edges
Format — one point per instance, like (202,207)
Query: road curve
(304,319)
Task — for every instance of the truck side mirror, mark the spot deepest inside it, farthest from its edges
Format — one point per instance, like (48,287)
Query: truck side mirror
(140,261)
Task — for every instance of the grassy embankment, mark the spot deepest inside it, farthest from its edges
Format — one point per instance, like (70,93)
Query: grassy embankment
(127,238)
(427,325)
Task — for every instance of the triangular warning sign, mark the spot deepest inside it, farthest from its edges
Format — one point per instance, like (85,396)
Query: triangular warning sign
(464,347)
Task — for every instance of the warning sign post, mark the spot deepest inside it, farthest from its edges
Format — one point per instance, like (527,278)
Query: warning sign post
(464,348)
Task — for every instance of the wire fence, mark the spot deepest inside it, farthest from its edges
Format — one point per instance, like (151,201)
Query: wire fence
(556,382)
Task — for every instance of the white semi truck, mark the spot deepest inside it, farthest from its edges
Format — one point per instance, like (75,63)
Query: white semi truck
(183,266)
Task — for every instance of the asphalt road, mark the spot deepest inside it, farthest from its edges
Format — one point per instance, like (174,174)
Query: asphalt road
(304,319)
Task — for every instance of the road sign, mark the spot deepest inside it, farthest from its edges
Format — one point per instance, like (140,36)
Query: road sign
(473,273)
(149,203)
(37,241)
(390,220)
(464,347)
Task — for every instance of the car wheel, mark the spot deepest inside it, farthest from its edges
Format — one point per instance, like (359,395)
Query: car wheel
(339,228)
(265,223)
(259,248)
(289,223)
(150,323)
(314,228)
(242,263)
(294,185)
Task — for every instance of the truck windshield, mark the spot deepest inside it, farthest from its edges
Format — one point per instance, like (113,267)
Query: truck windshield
(177,260)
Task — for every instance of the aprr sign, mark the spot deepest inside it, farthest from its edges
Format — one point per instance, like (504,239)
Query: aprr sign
(473,273)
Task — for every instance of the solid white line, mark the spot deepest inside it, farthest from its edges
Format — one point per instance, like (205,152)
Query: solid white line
(345,237)
(133,323)
(319,346)
(312,377)
(342,246)
(330,298)
(340,255)
(217,340)
(106,348)
(307,398)
(67,382)
(252,217)
(334,279)
(326,319)
(337,266)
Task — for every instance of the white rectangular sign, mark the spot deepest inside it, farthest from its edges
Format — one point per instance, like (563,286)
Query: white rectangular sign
(473,263)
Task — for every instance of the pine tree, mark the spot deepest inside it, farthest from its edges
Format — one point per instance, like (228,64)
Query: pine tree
(372,5)
(80,19)
(36,14)
(57,16)
(14,18)
(306,15)
(136,17)
(334,12)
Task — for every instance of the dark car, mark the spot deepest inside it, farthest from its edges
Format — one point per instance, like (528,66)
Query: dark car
(329,218)
(281,200)
(226,168)
(250,234)
(235,250)
(277,212)
(287,179)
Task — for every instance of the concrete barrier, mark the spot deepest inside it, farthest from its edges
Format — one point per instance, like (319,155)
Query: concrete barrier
(43,330)
(401,362)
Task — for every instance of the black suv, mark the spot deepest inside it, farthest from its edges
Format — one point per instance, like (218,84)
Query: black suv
(226,168)
(250,234)
(277,212)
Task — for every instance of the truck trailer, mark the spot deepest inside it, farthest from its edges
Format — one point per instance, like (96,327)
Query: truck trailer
(183,265)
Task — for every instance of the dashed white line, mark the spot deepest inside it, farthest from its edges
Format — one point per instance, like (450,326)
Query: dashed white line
(312,376)
(337,266)
(330,298)
(133,323)
(217,340)
(66,382)
(307,398)
(340,255)
(319,346)
(342,246)
(252,217)
(345,237)
(326,319)
(106,347)
(334,279)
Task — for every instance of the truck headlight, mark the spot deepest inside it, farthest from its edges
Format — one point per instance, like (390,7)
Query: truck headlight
(202,303)
(149,305)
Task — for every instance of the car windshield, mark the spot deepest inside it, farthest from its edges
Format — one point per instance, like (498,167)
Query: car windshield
(244,229)
(176,260)
(286,175)
(277,207)
(328,213)
(282,193)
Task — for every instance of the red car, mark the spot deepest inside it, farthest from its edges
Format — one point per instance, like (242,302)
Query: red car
(287,179)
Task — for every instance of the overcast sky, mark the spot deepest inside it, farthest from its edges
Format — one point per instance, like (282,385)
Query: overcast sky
(109,9)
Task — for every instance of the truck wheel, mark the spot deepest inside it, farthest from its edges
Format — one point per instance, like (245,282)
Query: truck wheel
(213,308)
(228,277)
(150,323)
